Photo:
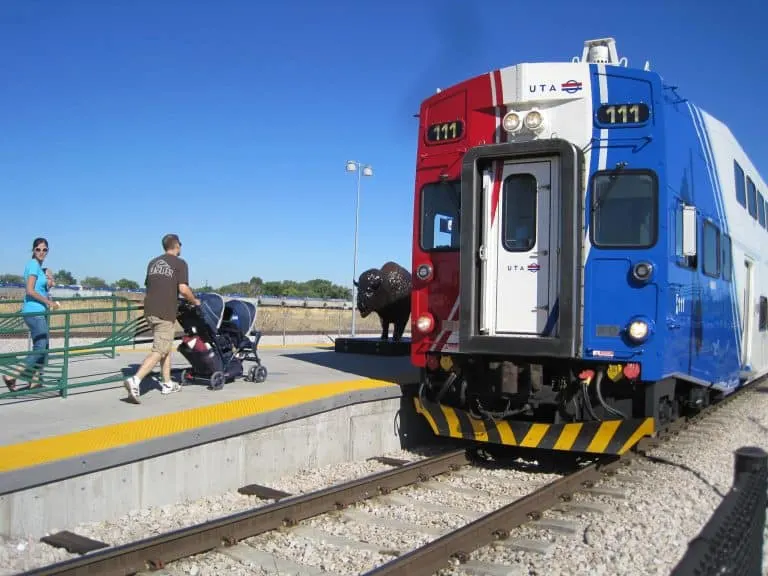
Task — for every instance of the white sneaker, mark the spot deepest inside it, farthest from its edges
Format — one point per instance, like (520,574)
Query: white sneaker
(168,387)
(133,389)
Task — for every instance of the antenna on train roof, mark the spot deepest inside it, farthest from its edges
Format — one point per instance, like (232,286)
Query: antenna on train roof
(601,51)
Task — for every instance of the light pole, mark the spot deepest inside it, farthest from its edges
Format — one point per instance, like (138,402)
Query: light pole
(362,170)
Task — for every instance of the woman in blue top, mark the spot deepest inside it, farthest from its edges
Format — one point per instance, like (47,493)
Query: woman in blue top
(36,300)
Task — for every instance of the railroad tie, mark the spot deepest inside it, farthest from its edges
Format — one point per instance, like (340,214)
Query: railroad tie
(361,517)
(487,569)
(556,525)
(399,500)
(249,555)
(525,545)
(73,543)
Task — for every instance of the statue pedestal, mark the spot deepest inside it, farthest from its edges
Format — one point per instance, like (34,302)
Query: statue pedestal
(373,346)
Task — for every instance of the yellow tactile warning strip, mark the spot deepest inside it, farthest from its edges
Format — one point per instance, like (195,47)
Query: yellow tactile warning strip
(75,444)
(147,348)
(606,437)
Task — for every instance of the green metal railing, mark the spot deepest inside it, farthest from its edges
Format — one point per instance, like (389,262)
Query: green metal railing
(115,324)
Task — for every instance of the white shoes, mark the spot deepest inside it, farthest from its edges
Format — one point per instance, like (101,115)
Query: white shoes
(133,389)
(168,387)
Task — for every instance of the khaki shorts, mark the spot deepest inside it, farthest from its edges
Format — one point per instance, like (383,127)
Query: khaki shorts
(162,334)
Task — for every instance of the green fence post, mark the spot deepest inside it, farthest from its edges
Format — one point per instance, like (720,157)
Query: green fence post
(65,365)
(114,322)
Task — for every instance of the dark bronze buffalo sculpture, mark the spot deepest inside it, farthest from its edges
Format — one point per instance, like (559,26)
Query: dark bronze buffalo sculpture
(386,291)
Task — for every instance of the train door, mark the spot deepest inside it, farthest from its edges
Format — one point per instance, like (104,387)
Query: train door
(524,262)
(746,335)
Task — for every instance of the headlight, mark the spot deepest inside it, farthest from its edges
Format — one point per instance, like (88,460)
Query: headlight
(642,271)
(638,330)
(534,120)
(424,272)
(511,122)
(424,324)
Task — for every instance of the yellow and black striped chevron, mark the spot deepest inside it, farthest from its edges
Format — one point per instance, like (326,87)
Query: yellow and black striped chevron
(605,437)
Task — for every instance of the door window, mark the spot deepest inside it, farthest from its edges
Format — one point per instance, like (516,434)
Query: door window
(518,203)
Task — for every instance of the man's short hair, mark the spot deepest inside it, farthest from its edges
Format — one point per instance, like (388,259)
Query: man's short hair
(170,241)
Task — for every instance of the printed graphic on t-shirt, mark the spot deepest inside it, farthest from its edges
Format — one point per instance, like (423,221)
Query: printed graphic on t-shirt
(161,268)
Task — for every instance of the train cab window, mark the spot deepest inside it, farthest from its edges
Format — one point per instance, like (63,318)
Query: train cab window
(624,209)
(440,215)
(751,198)
(727,258)
(518,204)
(763,315)
(761,209)
(741,191)
(710,241)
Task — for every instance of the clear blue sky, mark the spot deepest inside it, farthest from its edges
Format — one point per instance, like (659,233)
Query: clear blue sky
(230,121)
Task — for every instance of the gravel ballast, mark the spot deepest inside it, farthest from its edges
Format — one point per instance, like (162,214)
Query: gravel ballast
(659,506)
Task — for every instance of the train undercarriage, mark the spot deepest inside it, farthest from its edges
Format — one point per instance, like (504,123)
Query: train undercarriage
(554,404)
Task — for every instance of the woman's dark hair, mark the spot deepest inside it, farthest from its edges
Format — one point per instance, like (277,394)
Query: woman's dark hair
(38,241)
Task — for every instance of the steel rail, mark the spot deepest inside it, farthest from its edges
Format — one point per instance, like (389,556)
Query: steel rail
(156,551)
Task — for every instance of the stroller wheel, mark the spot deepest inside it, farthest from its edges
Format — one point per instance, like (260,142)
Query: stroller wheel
(186,376)
(217,380)
(258,374)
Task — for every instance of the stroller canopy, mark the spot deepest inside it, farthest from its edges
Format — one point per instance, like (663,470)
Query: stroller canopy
(242,314)
(212,307)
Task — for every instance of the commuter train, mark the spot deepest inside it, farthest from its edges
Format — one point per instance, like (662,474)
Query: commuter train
(587,256)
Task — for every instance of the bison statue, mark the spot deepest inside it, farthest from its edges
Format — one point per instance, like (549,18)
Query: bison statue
(386,291)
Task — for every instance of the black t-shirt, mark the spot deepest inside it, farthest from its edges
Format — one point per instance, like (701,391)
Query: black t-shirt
(164,274)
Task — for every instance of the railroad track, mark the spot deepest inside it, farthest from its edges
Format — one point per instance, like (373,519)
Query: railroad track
(226,535)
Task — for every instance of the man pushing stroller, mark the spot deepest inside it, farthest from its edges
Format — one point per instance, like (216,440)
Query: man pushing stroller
(167,277)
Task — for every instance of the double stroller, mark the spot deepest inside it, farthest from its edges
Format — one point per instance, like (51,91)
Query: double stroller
(218,338)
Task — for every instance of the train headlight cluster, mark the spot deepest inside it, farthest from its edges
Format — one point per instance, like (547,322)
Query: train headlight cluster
(533,120)
(638,330)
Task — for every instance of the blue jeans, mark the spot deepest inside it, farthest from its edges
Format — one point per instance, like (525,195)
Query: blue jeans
(38,330)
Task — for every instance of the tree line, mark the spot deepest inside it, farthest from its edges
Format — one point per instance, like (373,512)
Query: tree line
(316,288)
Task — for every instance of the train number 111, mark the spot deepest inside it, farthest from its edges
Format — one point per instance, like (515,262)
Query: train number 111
(623,113)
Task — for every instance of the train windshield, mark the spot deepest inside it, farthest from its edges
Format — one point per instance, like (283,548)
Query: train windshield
(440,213)
(624,209)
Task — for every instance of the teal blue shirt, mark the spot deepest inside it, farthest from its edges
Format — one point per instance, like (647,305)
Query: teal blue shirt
(33,268)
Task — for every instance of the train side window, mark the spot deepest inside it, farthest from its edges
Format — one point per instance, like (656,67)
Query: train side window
(727,258)
(763,320)
(761,209)
(752,198)
(710,240)
(741,191)
(682,260)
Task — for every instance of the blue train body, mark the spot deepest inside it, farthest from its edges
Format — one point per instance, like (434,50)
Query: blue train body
(695,314)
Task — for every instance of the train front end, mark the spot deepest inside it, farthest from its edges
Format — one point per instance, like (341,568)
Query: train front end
(512,169)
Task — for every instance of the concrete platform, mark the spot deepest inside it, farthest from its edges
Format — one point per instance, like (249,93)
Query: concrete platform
(44,429)
(94,455)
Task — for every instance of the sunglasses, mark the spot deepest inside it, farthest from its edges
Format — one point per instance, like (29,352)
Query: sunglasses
(41,250)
